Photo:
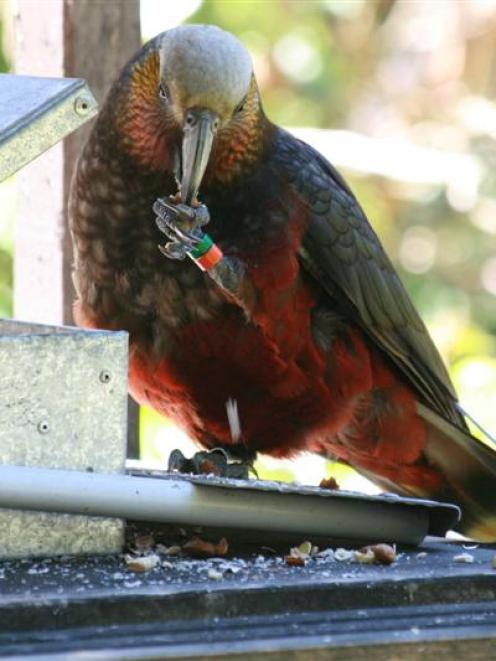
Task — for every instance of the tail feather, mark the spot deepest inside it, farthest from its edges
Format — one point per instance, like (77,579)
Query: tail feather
(469,468)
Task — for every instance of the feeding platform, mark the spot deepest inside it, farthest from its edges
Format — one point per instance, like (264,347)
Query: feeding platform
(252,606)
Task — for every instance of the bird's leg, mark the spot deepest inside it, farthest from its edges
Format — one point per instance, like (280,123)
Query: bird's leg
(228,273)
(182,224)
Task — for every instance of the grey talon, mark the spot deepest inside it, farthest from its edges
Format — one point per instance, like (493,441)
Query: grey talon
(173,250)
(163,226)
(181,224)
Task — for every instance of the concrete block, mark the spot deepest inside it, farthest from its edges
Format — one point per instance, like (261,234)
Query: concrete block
(63,404)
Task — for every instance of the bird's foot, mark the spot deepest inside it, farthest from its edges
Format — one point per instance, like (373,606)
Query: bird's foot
(181,224)
(213,462)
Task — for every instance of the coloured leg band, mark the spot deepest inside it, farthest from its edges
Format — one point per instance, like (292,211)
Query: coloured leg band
(206,254)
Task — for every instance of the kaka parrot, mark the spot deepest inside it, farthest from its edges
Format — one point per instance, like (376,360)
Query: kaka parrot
(288,305)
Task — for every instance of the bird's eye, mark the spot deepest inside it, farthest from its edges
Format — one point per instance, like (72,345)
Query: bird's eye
(163,92)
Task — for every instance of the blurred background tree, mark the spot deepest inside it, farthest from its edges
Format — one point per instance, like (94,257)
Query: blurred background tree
(400,96)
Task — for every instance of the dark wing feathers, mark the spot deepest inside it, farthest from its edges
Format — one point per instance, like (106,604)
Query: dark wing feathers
(341,250)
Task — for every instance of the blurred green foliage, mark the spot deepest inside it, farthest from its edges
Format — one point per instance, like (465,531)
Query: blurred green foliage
(4,65)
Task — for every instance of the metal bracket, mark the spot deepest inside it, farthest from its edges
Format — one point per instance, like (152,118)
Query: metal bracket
(35,113)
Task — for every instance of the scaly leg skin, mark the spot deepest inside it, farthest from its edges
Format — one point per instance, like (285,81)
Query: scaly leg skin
(214,462)
(182,225)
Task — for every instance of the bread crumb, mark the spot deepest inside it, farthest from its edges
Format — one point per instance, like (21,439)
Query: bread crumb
(142,564)
(463,557)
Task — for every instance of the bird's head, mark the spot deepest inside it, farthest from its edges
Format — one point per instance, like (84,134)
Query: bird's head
(194,104)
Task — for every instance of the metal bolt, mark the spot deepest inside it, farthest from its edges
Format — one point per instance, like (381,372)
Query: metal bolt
(82,105)
(43,427)
(105,376)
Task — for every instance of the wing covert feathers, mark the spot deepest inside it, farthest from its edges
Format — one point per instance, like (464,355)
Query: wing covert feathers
(342,252)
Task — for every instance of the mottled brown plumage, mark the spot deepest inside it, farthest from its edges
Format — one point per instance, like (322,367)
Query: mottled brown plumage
(304,322)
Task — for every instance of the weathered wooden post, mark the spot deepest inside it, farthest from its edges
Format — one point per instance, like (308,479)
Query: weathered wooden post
(85,39)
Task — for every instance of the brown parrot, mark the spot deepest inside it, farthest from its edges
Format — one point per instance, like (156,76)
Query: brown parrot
(288,305)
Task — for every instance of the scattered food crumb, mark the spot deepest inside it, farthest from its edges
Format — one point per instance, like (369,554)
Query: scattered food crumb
(142,564)
(422,554)
(463,557)
(305,548)
(230,568)
(383,554)
(294,560)
(325,554)
(214,574)
(38,569)
(199,548)
(168,550)
(365,557)
(343,554)
(328,483)
(298,555)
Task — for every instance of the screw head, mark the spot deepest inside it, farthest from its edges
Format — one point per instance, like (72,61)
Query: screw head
(82,105)
(105,376)
(43,427)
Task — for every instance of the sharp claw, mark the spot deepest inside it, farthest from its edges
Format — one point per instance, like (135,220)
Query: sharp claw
(168,231)
(171,211)
(173,250)
(179,463)
(169,215)
(164,208)
(172,230)
(163,226)
(187,237)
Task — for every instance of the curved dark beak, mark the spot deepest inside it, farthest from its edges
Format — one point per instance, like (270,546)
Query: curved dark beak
(200,127)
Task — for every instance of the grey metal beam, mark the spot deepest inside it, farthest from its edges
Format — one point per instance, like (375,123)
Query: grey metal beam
(37,112)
